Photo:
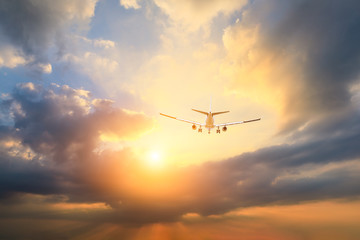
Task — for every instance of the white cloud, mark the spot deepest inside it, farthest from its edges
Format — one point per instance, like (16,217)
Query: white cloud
(11,58)
(127,4)
(193,14)
(99,43)
(45,68)
(97,67)
(104,43)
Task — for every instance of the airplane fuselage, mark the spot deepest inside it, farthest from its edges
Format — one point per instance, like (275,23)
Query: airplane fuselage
(209,122)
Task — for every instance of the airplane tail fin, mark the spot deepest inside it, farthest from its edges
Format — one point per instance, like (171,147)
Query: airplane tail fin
(217,113)
(200,111)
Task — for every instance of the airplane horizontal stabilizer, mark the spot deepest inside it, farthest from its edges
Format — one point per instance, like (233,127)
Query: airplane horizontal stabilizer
(217,113)
(206,113)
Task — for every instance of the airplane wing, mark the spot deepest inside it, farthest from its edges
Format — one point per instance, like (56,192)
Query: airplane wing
(233,123)
(183,120)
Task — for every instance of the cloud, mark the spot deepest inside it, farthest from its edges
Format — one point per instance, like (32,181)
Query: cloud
(37,26)
(194,14)
(130,4)
(48,148)
(10,57)
(49,142)
(96,66)
(55,121)
(48,130)
(299,60)
(279,222)
(104,43)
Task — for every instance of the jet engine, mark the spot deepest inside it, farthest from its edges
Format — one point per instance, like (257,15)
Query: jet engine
(194,127)
(224,129)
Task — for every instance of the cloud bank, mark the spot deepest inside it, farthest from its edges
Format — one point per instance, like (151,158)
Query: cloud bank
(50,139)
(35,27)
(295,57)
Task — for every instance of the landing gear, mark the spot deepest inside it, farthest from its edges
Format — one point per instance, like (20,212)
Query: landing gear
(200,130)
(218,130)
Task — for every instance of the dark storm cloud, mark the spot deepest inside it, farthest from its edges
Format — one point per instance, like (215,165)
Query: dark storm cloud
(54,122)
(28,26)
(26,177)
(53,134)
(329,33)
(36,26)
(284,174)
(320,39)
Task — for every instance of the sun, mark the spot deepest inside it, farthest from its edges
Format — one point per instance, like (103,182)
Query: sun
(155,159)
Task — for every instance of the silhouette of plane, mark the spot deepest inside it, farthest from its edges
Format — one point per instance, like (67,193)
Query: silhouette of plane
(209,122)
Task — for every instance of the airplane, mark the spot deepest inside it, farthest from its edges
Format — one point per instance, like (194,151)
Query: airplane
(209,121)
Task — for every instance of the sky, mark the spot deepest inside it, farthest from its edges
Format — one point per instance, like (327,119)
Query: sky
(84,153)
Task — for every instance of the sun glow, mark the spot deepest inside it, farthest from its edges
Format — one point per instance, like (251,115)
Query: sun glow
(154,159)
